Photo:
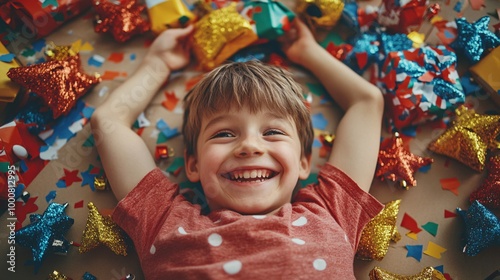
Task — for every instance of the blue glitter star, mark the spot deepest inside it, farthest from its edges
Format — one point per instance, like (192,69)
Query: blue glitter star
(474,39)
(43,230)
(482,228)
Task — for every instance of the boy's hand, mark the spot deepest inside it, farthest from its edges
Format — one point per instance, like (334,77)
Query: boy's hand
(173,47)
(297,42)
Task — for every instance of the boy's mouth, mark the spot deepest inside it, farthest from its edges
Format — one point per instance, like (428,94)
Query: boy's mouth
(253,175)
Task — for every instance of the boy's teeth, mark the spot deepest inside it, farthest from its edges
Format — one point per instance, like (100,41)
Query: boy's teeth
(250,174)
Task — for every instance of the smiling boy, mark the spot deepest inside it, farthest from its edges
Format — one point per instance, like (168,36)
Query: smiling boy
(248,140)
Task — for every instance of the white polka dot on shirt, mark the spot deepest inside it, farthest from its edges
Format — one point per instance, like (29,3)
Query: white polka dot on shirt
(182,231)
(232,267)
(319,264)
(215,239)
(152,250)
(298,241)
(259,217)
(300,221)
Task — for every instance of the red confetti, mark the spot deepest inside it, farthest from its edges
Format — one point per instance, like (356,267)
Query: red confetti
(116,57)
(449,214)
(450,184)
(23,209)
(79,204)
(171,100)
(409,223)
(70,177)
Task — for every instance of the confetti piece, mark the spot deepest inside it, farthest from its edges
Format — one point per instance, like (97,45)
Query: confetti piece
(96,60)
(166,130)
(142,121)
(4,166)
(431,228)
(176,166)
(450,184)
(87,47)
(50,196)
(7,57)
(171,100)
(61,184)
(414,251)
(110,75)
(23,209)
(434,250)
(116,57)
(90,142)
(449,214)
(412,235)
(319,121)
(70,177)
(316,88)
(409,223)
(132,57)
(79,204)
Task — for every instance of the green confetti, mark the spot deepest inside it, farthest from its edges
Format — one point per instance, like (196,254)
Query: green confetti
(316,88)
(4,166)
(431,228)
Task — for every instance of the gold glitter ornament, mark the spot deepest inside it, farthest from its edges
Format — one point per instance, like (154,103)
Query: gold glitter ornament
(101,183)
(321,13)
(379,232)
(56,275)
(469,138)
(102,230)
(219,34)
(55,52)
(428,273)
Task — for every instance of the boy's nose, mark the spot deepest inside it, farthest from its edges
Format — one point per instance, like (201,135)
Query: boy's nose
(248,147)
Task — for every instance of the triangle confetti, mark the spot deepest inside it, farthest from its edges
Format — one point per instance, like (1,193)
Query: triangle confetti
(412,235)
(431,228)
(450,184)
(449,214)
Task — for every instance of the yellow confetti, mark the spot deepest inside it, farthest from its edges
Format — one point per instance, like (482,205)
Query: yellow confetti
(434,250)
(412,235)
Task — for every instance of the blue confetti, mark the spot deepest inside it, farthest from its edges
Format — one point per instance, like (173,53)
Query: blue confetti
(50,196)
(319,121)
(61,184)
(7,57)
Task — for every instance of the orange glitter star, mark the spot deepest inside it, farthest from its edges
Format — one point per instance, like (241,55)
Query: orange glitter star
(396,163)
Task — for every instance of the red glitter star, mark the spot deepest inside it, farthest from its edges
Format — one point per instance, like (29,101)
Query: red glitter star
(70,177)
(396,163)
(58,82)
(488,194)
(122,20)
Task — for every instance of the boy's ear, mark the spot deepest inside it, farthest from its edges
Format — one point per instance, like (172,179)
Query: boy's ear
(305,167)
(191,165)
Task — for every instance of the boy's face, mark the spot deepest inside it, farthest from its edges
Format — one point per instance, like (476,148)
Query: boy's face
(248,162)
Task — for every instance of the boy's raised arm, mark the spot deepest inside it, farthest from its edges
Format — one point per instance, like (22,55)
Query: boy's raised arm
(357,137)
(124,155)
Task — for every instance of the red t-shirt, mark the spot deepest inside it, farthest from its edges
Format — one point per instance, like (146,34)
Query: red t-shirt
(314,237)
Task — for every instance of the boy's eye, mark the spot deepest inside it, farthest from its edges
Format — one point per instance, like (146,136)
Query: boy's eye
(271,132)
(223,134)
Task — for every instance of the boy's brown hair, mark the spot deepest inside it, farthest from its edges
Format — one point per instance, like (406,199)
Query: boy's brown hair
(253,85)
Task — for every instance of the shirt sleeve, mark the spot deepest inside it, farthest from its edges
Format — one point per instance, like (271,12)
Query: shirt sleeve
(143,210)
(349,205)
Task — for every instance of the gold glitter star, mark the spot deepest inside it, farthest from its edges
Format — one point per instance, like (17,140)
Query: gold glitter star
(469,138)
(102,230)
(378,233)
(428,273)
